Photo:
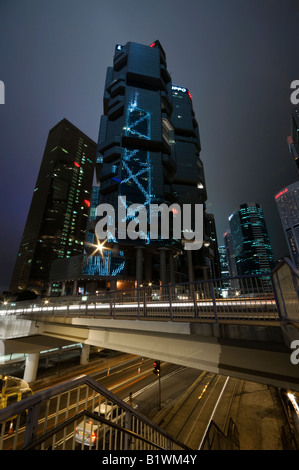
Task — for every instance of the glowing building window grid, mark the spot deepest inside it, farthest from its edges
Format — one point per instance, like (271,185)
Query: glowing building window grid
(103,265)
(135,168)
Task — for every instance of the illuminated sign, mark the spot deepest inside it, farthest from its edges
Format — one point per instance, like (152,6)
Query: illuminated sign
(179,88)
(182,89)
(281,193)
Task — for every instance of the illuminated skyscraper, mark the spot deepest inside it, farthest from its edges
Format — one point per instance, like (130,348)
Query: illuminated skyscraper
(56,223)
(251,244)
(293,140)
(148,153)
(229,250)
(287,201)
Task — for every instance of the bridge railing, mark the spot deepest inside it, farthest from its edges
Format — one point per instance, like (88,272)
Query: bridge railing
(286,283)
(245,298)
(76,415)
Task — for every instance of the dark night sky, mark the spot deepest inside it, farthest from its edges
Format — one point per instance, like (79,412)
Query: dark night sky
(237,57)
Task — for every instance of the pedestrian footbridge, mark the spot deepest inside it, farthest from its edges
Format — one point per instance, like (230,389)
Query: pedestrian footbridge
(246,327)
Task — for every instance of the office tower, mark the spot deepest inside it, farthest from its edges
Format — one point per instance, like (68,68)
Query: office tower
(56,223)
(223,261)
(251,244)
(229,249)
(293,139)
(287,201)
(148,153)
(189,186)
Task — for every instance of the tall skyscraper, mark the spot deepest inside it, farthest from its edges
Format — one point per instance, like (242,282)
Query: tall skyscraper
(293,139)
(251,243)
(189,186)
(56,223)
(148,153)
(230,257)
(287,201)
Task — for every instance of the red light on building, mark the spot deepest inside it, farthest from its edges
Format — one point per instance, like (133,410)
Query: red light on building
(153,44)
(87,202)
(281,193)
(77,164)
(189,94)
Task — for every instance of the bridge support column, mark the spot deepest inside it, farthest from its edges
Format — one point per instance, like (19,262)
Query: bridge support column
(49,289)
(63,288)
(84,358)
(162,266)
(139,265)
(190,266)
(75,288)
(31,366)
(171,268)
(148,267)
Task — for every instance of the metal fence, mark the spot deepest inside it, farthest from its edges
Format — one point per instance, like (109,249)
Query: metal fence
(245,298)
(76,415)
(286,284)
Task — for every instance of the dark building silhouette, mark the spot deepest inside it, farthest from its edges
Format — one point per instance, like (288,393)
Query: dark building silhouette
(251,243)
(56,223)
(293,139)
(287,201)
(148,153)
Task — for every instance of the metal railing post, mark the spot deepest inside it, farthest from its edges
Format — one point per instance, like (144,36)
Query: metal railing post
(282,298)
(276,296)
(195,302)
(170,301)
(138,299)
(31,424)
(213,299)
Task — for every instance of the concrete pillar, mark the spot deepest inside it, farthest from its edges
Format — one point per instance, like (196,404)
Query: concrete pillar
(113,284)
(190,266)
(162,265)
(139,277)
(48,293)
(171,268)
(84,358)
(75,288)
(148,264)
(31,366)
(63,288)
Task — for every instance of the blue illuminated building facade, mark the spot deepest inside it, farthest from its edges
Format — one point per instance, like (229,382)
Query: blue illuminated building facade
(148,153)
(251,243)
